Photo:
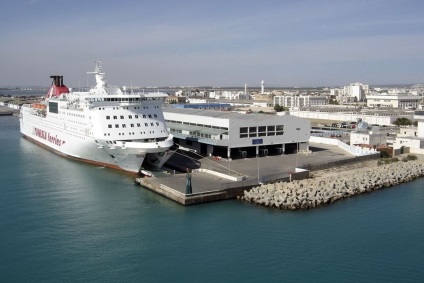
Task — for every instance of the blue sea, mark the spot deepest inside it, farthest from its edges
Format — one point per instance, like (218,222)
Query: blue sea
(65,221)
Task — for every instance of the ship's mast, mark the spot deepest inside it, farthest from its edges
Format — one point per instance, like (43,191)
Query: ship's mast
(100,80)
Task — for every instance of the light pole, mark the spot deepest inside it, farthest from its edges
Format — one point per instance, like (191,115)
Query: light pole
(229,161)
(257,157)
(297,152)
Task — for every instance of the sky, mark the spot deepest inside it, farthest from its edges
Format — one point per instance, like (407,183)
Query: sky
(286,43)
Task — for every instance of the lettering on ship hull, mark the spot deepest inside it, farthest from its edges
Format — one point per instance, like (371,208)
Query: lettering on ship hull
(46,136)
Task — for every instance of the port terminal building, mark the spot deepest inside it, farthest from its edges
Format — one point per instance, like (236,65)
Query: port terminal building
(234,135)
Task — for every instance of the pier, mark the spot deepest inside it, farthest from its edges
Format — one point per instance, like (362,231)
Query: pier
(214,179)
(6,111)
(311,193)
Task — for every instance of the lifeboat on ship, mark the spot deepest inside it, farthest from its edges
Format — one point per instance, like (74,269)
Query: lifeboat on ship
(38,106)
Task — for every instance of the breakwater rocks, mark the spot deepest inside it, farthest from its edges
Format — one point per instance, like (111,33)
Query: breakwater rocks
(315,192)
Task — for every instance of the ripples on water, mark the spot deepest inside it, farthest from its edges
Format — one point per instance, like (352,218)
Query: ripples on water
(62,220)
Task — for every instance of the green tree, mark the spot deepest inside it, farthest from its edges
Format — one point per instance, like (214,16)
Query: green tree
(333,100)
(279,108)
(402,122)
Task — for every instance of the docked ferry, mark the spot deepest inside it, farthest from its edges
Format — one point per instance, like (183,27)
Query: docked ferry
(105,125)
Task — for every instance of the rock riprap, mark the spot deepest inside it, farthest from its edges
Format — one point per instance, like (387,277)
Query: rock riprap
(314,192)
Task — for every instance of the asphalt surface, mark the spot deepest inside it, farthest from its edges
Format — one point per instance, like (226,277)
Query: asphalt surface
(250,168)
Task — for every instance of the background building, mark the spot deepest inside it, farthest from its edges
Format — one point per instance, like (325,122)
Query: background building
(403,101)
(294,101)
(358,90)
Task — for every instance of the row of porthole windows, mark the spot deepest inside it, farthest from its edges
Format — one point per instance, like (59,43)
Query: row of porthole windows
(77,122)
(77,136)
(74,115)
(136,107)
(130,116)
(117,108)
(130,133)
(122,99)
(132,125)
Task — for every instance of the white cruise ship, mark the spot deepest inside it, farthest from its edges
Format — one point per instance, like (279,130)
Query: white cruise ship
(105,126)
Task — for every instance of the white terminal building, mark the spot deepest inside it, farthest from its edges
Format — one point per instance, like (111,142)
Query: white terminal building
(402,101)
(294,101)
(235,135)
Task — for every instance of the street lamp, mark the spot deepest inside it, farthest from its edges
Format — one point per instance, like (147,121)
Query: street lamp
(229,161)
(257,157)
(297,152)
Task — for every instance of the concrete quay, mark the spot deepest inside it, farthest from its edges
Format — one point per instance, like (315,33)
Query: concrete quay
(6,111)
(221,179)
(311,193)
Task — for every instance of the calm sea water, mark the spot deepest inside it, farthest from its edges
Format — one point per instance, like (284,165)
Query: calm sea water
(62,220)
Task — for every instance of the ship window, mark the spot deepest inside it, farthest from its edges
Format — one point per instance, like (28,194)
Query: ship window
(155,115)
(145,124)
(122,116)
(124,126)
(243,130)
(136,116)
(53,107)
(138,124)
(130,116)
(150,116)
(144,116)
(151,124)
(115,117)
(116,125)
(132,125)
(157,123)
(109,126)
(108,117)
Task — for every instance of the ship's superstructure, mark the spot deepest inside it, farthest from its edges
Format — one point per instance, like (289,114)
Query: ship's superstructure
(105,125)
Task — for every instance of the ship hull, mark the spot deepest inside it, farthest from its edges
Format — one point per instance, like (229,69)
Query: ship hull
(79,147)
